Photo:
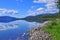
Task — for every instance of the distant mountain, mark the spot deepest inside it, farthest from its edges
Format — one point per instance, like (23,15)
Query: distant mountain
(7,19)
(44,15)
(41,17)
(37,18)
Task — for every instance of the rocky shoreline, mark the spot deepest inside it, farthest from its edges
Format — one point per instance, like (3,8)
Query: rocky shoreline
(39,33)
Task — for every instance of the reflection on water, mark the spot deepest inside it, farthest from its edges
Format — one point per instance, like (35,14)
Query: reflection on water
(8,26)
(17,30)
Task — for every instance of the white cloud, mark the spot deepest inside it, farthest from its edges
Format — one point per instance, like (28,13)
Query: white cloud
(51,6)
(31,13)
(43,11)
(39,1)
(40,9)
(43,1)
(7,11)
(52,10)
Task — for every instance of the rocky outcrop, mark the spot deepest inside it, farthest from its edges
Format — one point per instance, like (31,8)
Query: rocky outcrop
(39,33)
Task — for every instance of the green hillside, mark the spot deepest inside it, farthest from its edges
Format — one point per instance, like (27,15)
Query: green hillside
(54,27)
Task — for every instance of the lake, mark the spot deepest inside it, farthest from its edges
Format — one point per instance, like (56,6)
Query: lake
(16,30)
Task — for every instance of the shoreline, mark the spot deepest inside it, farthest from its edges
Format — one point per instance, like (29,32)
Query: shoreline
(39,33)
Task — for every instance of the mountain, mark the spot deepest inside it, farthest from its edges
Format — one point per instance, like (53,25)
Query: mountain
(7,19)
(37,18)
(41,17)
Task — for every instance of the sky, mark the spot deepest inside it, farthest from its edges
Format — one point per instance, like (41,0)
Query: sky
(23,8)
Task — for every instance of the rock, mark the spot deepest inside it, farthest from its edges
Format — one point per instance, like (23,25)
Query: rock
(39,34)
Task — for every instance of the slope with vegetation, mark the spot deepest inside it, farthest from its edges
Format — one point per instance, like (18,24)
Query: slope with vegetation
(54,27)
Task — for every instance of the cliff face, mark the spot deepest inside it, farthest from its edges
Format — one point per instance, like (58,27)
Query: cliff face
(39,33)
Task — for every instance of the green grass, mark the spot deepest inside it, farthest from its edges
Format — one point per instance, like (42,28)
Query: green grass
(54,29)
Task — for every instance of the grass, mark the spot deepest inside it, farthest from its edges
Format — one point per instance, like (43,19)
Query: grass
(54,29)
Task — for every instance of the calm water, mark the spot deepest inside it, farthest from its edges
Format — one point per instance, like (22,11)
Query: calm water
(16,30)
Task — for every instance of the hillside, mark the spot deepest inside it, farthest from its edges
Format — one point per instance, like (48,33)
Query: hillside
(41,17)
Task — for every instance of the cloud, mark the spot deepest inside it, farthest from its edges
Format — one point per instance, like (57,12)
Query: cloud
(51,8)
(35,12)
(50,5)
(40,10)
(31,13)
(44,1)
(7,11)
(39,1)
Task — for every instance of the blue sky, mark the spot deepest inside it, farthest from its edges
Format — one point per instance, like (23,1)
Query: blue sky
(22,8)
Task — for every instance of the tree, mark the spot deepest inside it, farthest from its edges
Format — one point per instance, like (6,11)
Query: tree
(58,4)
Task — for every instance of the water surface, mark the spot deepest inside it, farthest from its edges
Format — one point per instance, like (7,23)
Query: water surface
(16,30)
